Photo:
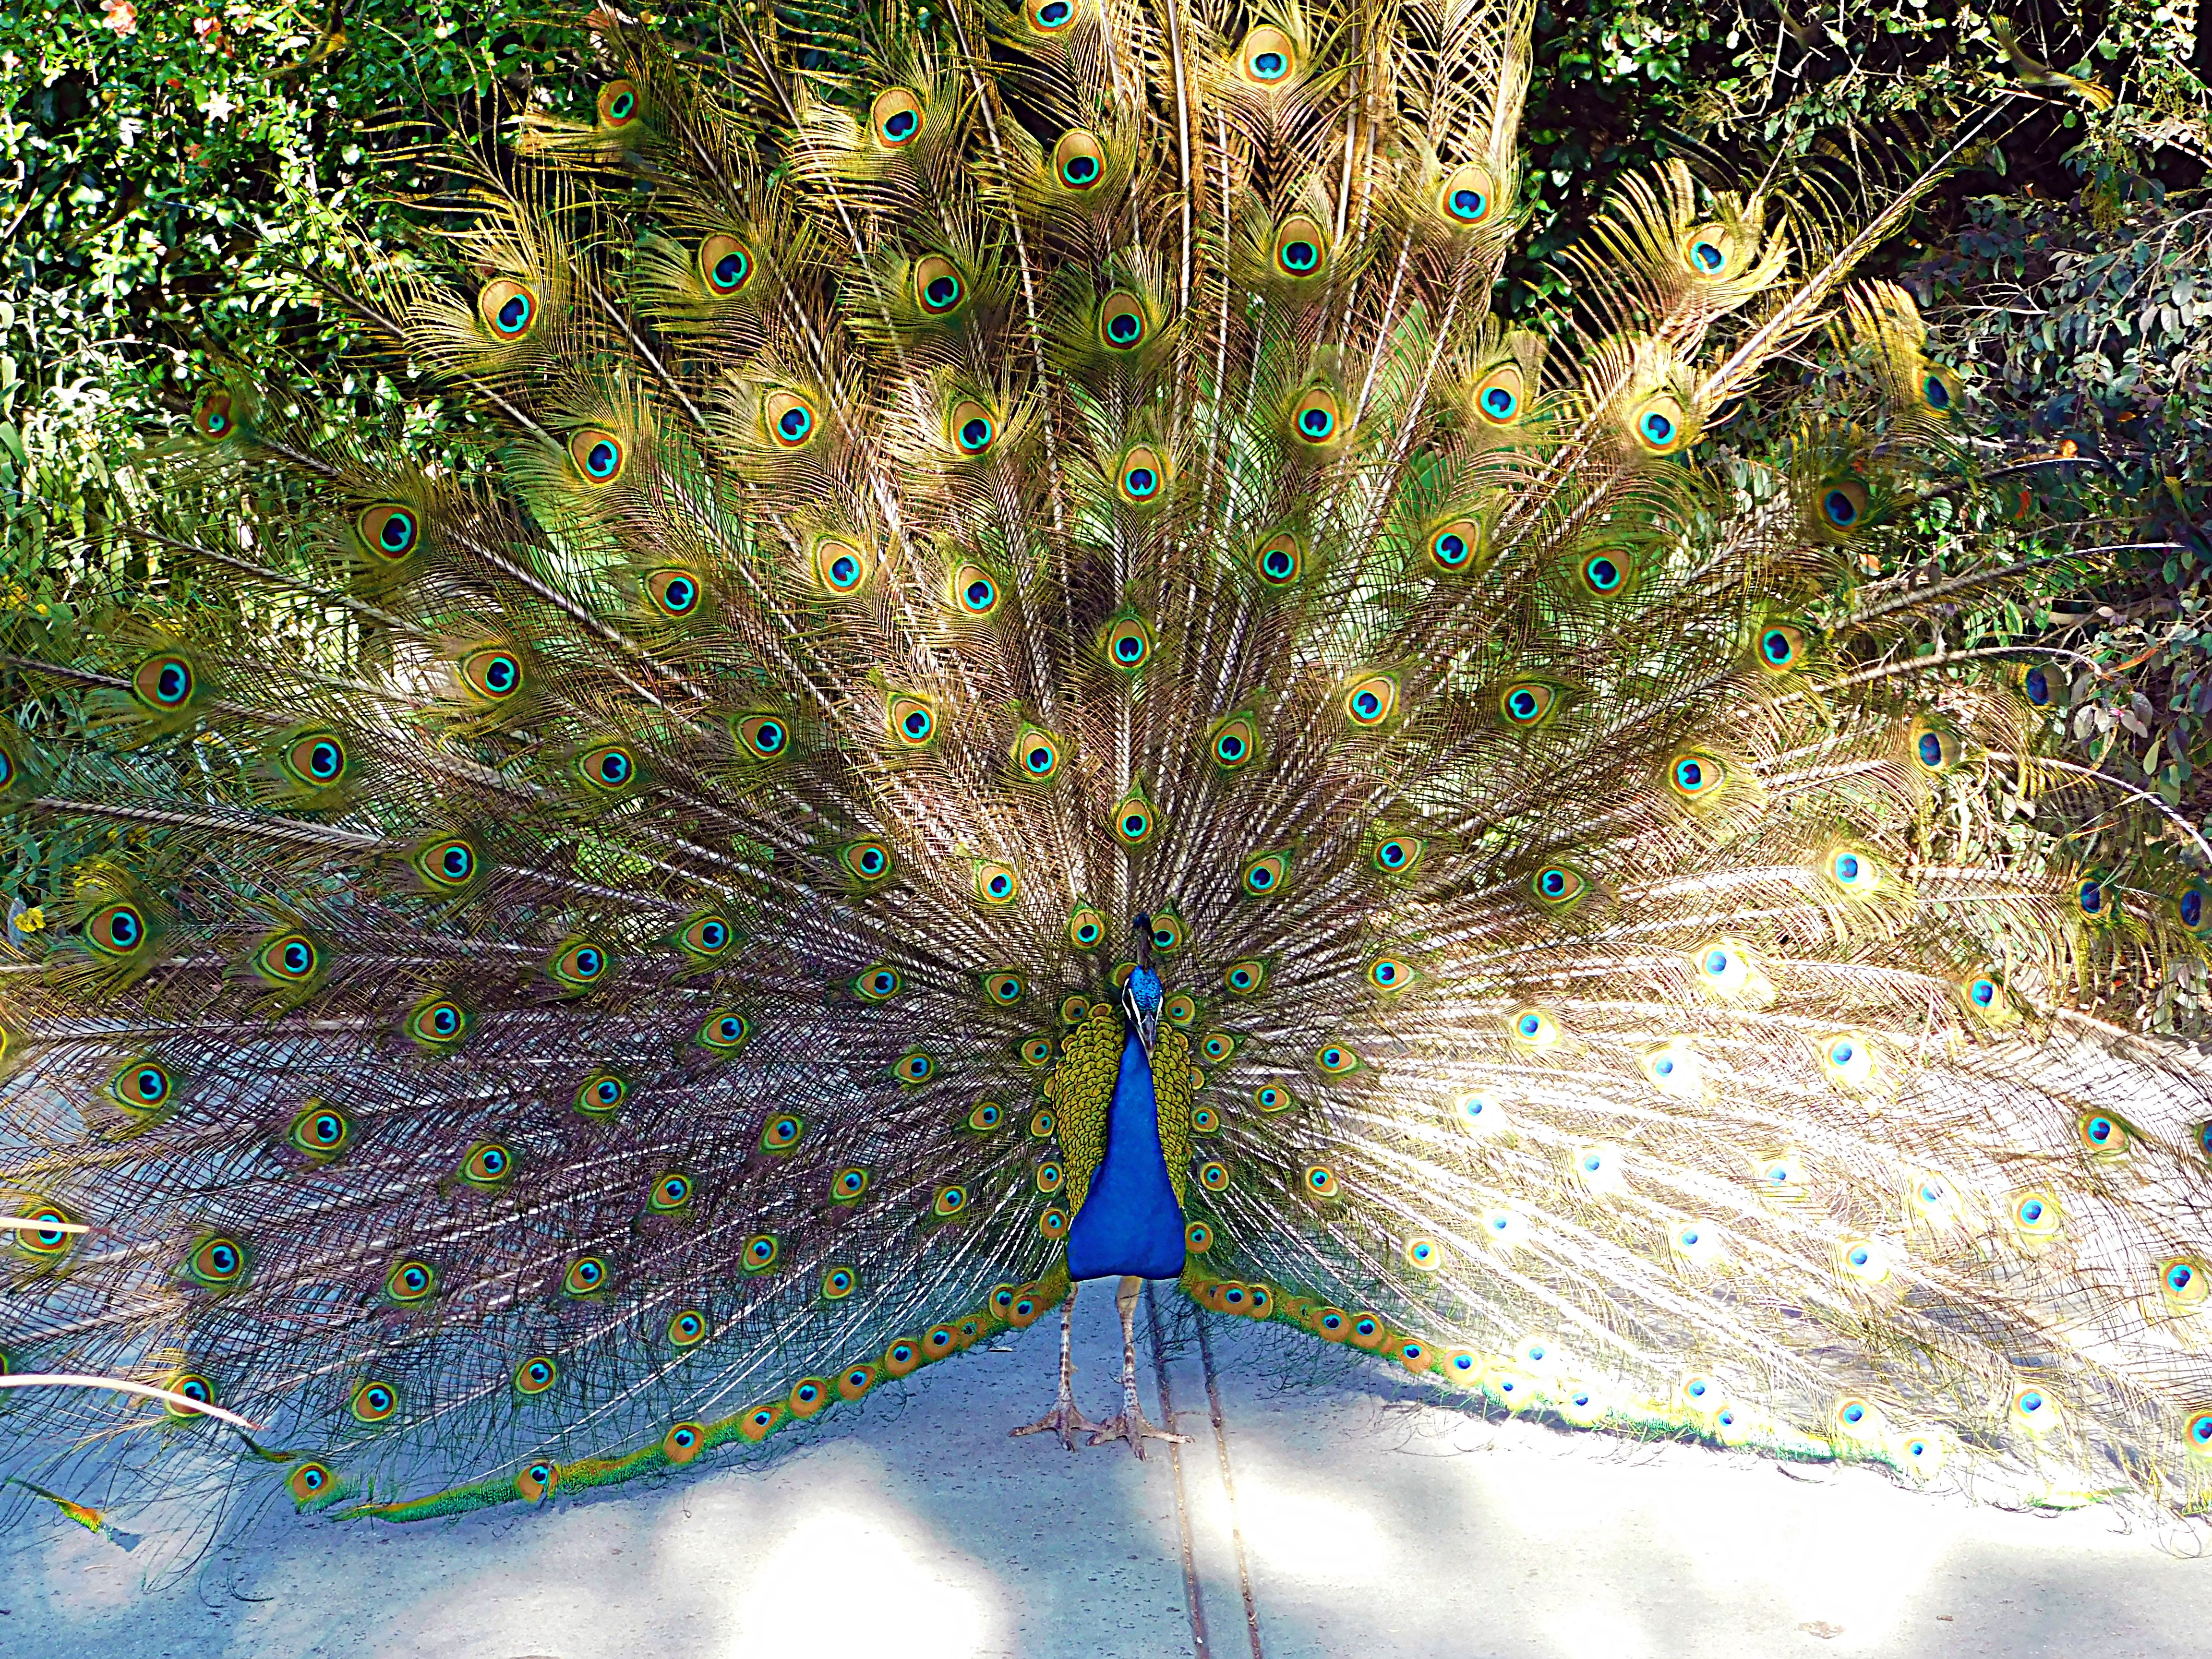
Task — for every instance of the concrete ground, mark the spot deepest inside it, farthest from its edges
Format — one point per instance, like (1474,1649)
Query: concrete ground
(1372,1524)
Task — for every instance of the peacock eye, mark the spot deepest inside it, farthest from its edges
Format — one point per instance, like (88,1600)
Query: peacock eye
(116,929)
(165,682)
(1134,820)
(508,308)
(580,964)
(937,288)
(1316,418)
(1454,547)
(896,118)
(974,592)
(1079,160)
(1301,246)
(1709,250)
(762,737)
(1528,703)
(1499,395)
(214,417)
(1467,197)
(1372,700)
(790,419)
(1233,743)
(868,859)
(1268,56)
(1264,874)
(1781,647)
(1139,480)
(602,1094)
(494,674)
(724,264)
(1280,560)
(973,429)
(1605,573)
(617,105)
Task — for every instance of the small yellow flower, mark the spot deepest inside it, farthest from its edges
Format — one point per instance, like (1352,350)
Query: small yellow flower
(32,920)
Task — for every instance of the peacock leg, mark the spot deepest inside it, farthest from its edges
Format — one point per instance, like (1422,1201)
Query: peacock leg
(1063,1418)
(1130,1425)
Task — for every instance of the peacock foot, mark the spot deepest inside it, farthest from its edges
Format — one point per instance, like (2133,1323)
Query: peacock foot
(1131,1426)
(1063,1420)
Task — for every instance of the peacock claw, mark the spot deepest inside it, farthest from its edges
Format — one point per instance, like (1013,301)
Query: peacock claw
(1063,1420)
(1132,1427)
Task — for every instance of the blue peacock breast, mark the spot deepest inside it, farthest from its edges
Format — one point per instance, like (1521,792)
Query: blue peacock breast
(1130,1222)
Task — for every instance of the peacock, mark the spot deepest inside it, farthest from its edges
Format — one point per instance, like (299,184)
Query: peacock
(1015,678)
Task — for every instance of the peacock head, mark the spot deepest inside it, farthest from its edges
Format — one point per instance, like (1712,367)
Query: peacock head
(1142,995)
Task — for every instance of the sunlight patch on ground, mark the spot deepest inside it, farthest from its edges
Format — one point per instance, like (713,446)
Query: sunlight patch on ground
(810,1579)
(1597,1633)
(1317,1536)
(1852,1561)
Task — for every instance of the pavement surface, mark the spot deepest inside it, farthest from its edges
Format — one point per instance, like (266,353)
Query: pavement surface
(1371,1525)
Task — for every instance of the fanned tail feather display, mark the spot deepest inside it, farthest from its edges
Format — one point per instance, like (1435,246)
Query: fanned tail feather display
(620,945)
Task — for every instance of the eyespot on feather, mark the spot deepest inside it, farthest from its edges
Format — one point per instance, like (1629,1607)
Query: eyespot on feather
(725,265)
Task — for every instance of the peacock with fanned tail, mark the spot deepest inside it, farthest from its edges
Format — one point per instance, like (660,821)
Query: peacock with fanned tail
(1027,685)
